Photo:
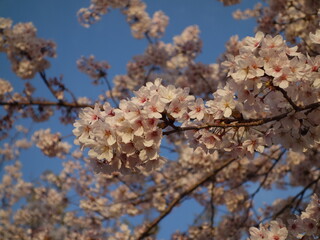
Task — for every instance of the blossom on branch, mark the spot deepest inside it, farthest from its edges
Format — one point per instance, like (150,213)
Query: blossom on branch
(26,52)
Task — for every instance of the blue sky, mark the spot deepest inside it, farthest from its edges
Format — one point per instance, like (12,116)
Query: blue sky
(111,40)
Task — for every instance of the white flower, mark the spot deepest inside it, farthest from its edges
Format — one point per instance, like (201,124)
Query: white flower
(252,43)
(253,144)
(227,104)
(91,115)
(197,109)
(258,234)
(177,109)
(315,37)
(154,107)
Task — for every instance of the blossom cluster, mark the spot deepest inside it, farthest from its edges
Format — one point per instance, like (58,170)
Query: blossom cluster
(174,63)
(135,11)
(130,137)
(124,138)
(94,69)
(270,78)
(5,87)
(266,79)
(26,52)
(305,226)
(50,144)
(296,19)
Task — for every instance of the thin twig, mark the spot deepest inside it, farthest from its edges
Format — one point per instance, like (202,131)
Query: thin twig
(44,78)
(288,205)
(242,122)
(46,103)
(110,91)
(285,95)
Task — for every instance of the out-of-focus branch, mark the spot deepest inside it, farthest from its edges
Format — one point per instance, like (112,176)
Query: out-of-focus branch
(252,196)
(46,103)
(266,177)
(45,80)
(177,200)
(153,68)
(110,91)
(146,34)
(289,204)
(212,207)
(207,83)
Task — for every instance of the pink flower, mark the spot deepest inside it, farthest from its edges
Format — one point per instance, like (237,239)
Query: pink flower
(102,151)
(273,43)
(258,234)
(126,132)
(227,104)
(197,109)
(177,109)
(254,143)
(284,79)
(275,66)
(154,107)
(295,226)
(252,43)
(247,68)
(105,133)
(91,115)
(152,138)
(309,226)
(210,140)
(168,94)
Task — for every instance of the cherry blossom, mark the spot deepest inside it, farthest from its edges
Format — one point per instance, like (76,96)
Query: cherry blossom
(236,128)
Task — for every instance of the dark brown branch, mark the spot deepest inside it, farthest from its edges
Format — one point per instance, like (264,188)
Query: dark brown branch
(266,176)
(147,36)
(289,205)
(44,78)
(110,90)
(252,196)
(212,207)
(224,123)
(242,122)
(71,94)
(285,95)
(302,192)
(153,68)
(46,103)
(208,84)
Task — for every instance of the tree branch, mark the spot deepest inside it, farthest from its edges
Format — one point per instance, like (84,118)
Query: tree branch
(46,103)
(110,90)
(44,78)
(285,95)
(242,122)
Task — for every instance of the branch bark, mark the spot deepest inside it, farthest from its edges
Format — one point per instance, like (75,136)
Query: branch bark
(243,122)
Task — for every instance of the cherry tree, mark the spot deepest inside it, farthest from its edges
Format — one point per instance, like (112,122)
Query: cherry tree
(243,125)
